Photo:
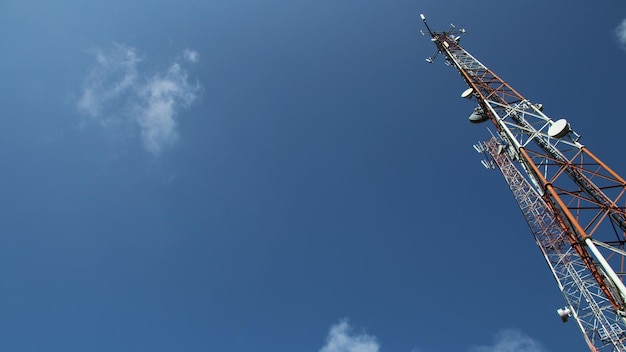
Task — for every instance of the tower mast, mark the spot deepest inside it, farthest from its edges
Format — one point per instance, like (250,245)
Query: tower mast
(572,201)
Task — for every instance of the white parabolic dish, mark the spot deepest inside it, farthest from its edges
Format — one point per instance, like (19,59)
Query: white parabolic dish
(558,129)
(467,93)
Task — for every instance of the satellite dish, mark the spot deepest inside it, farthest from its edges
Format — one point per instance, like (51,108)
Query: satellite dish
(478,116)
(559,128)
(467,93)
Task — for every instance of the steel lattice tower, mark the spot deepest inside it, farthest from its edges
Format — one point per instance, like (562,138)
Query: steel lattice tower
(573,202)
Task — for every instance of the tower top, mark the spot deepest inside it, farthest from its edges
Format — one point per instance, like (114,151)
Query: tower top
(441,38)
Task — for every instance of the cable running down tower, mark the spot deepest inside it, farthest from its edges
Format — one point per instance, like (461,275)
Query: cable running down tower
(573,202)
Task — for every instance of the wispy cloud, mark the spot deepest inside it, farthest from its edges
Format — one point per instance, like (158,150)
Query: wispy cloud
(341,338)
(620,31)
(114,74)
(190,55)
(160,97)
(511,340)
(115,90)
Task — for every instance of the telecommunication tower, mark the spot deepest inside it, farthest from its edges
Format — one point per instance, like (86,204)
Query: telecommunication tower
(574,204)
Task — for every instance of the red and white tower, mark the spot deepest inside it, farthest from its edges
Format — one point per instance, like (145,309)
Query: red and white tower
(574,204)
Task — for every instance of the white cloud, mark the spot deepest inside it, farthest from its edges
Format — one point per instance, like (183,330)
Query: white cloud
(161,97)
(620,31)
(116,91)
(342,339)
(114,74)
(511,341)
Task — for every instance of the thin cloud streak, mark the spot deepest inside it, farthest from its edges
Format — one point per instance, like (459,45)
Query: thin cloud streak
(115,91)
(190,55)
(342,339)
(620,32)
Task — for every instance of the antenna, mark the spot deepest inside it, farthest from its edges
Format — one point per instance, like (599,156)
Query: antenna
(452,33)
(426,23)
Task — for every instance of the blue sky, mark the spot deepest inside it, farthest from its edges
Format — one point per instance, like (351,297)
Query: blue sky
(281,175)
